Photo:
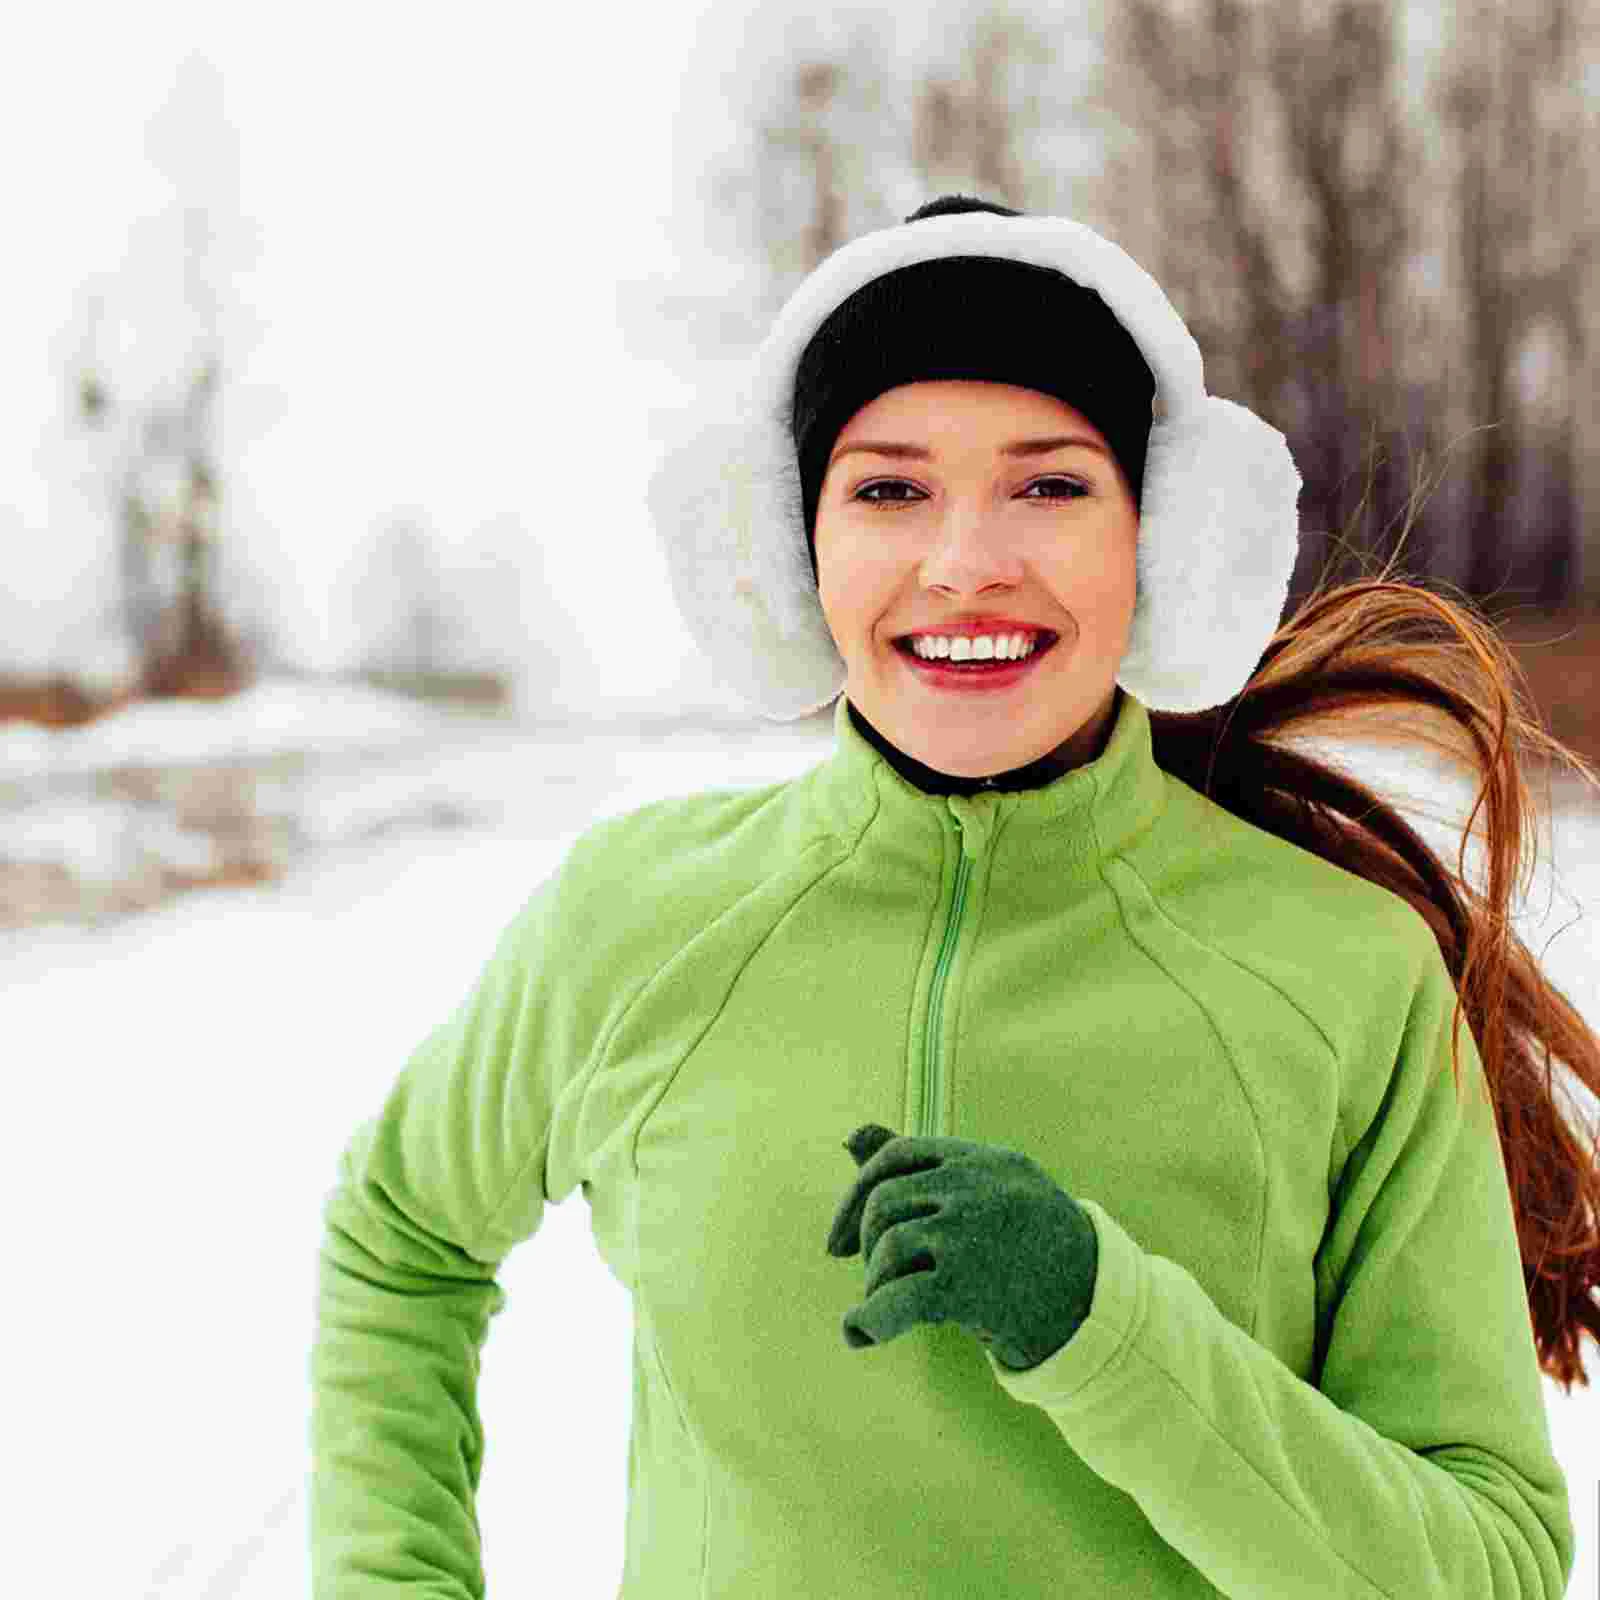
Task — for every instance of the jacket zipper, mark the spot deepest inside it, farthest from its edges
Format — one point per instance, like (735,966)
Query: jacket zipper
(974,816)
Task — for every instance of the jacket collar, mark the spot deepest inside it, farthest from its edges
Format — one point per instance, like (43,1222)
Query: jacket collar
(931,781)
(1034,817)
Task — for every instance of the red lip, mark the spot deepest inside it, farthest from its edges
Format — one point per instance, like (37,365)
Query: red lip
(941,675)
(971,627)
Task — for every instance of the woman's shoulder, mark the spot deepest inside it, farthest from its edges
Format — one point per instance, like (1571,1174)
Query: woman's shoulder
(1323,934)
(1229,854)
(640,884)
(695,847)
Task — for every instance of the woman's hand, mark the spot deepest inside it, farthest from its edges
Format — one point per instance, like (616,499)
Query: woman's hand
(955,1231)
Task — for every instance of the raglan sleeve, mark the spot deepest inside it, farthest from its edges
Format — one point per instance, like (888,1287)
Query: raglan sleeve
(432,1193)
(1420,1464)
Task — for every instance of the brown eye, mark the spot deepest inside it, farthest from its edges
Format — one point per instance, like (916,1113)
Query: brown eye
(1072,484)
(882,483)
(865,492)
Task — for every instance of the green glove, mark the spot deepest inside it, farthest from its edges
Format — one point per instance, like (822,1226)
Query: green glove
(968,1233)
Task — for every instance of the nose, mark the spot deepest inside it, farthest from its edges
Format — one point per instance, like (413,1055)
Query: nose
(970,550)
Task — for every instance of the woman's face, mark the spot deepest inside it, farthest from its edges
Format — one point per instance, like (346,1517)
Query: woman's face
(908,543)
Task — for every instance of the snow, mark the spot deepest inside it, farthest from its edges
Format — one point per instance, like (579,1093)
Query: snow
(302,764)
(201,1066)
(272,716)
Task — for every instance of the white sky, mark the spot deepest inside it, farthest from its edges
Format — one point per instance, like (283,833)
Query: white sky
(442,203)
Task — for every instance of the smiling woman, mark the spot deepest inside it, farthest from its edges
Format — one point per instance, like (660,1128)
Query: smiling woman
(1182,1260)
(981,545)
(1013,510)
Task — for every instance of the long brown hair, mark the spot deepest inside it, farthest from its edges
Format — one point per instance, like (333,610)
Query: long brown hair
(1405,652)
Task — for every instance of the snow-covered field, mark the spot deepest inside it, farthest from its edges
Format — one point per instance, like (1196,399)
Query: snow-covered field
(95,821)
(188,1076)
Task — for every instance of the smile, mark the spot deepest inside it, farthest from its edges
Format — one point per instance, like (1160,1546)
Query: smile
(970,676)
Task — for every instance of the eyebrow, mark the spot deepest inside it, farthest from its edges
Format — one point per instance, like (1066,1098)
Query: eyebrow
(1018,447)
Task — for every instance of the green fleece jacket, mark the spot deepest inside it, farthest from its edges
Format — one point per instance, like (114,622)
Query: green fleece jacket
(1307,1371)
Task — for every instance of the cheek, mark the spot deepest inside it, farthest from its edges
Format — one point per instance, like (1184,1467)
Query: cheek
(854,581)
(1099,591)
(849,608)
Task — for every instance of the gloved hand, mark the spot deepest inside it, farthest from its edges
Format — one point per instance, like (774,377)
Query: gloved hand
(976,1234)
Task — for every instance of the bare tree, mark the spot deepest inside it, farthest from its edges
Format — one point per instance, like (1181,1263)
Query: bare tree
(821,145)
(983,108)
(1271,187)
(1299,211)
(158,460)
(846,126)
(1527,221)
(158,432)
(821,135)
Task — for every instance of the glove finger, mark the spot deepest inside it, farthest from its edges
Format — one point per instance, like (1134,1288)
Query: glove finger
(896,1157)
(844,1237)
(868,1140)
(892,1239)
(891,1310)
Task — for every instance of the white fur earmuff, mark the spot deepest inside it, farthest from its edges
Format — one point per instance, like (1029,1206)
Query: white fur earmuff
(1219,523)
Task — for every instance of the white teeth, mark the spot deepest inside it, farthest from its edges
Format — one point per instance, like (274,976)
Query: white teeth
(1007,647)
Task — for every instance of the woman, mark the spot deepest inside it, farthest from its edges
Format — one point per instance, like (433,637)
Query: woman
(1177,1251)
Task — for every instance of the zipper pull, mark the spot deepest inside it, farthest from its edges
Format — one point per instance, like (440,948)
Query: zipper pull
(975,817)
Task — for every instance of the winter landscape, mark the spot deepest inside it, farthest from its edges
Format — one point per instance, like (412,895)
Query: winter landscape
(340,347)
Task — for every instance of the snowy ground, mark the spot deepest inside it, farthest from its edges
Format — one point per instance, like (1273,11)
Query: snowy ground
(212,1054)
(102,821)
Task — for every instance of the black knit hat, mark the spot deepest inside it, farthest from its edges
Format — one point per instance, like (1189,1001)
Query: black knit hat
(970,317)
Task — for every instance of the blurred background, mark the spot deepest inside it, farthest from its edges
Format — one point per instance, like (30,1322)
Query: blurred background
(340,343)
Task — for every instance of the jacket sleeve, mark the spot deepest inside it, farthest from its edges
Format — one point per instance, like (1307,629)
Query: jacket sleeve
(433,1192)
(1420,1464)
